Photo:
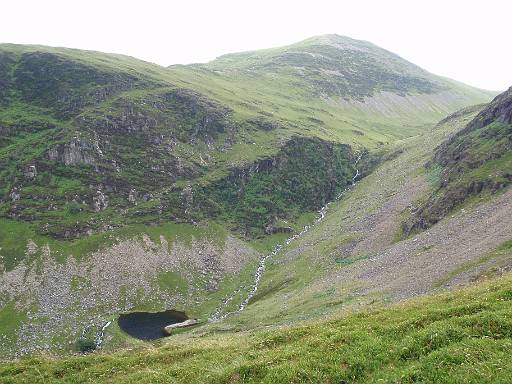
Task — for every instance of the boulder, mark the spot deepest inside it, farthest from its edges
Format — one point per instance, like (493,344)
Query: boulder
(187,323)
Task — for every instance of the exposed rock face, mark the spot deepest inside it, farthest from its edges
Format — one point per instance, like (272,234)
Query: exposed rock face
(272,229)
(100,201)
(14,195)
(132,197)
(76,152)
(30,172)
(500,110)
(187,323)
(187,195)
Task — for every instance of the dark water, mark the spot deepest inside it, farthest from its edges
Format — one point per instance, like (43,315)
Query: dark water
(149,325)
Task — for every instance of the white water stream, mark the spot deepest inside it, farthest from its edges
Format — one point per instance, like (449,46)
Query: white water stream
(263,260)
(101,334)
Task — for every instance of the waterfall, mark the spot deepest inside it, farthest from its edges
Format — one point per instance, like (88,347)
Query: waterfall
(101,334)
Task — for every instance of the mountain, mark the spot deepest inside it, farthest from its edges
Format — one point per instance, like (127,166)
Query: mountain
(355,88)
(337,66)
(145,129)
(129,186)
(451,337)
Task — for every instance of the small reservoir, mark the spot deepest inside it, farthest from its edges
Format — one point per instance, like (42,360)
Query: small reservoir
(149,325)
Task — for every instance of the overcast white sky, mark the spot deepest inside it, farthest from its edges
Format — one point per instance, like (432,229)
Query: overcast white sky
(469,40)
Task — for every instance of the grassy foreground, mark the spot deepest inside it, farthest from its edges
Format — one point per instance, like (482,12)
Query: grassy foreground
(463,336)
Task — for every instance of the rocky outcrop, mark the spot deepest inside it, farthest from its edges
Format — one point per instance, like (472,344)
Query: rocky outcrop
(76,152)
(187,196)
(184,324)
(500,110)
(460,162)
(134,149)
(132,197)
(30,172)
(100,201)
(14,195)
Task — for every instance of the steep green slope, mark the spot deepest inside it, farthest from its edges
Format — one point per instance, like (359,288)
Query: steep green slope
(474,162)
(464,336)
(84,147)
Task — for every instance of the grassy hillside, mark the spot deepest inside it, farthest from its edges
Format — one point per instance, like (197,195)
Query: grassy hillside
(464,336)
(91,140)
(354,80)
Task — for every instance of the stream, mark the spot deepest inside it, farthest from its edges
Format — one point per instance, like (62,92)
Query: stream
(100,336)
(263,260)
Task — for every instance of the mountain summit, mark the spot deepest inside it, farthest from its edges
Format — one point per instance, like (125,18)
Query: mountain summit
(334,65)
